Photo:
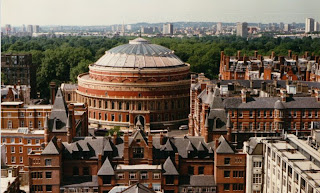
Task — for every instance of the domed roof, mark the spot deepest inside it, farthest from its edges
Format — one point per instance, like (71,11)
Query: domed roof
(279,105)
(139,53)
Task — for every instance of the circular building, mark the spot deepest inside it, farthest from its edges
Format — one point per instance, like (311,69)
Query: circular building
(137,85)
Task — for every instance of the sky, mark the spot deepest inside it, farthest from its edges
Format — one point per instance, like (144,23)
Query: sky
(108,12)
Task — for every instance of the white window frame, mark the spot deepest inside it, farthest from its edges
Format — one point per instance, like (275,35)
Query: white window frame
(13,159)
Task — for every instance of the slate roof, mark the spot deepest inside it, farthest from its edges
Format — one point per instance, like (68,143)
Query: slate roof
(80,181)
(51,148)
(58,118)
(224,146)
(202,180)
(138,188)
(169,168)
(106,168)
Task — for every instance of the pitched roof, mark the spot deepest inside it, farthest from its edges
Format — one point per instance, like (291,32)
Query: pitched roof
(189,147)
(51,148)
(200,146)
(169,167)
(167,146)
(202,180)
(106,168)
(137,188)
(59,117)
(224,147)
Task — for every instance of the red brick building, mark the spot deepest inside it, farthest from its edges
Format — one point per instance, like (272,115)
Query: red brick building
(245,114)
(135,81)
(97,164)
(273,67)
(230,168)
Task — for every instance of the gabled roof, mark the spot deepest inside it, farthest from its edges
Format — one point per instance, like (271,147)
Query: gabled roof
(167,146)
(200,146)
(138,133)
(169,168)
(106,169)
(137,188)
(189,147)
(107,146)
(51,148)
(59,117)
(224,146)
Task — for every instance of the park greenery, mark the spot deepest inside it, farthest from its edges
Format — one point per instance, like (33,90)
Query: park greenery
(61,59)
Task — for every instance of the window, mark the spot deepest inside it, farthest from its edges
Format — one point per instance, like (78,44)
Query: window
(29,141)
(156,175)
(256,178)
(9,124)
(37,141)
(13,159)
(251,114)
(120,118)
(270,113)
(21,114)
(238,160)
(238,174)
(226,174)
(12,140)
(99,116)
(112,117)
(48,174)
(48,162)
(120,105)
(138,152)
(127,118)
(4,140)
(36,174)
(237,187)
(132,175)
(201,170)
(112,105)
(106,104)
(257,164)
(30,124)
(9,114)
(39,123)
(190,170)
(39,114)
(265,113)
(48,188)
(144,175)
(232,113)
(169,179)
(226,186)
(22,123)
(240,114)
(120,176)
(75,171)
(36,188)
(139,106)
(227,160)
(13,149)
(310,113)
(86,171)
(21,159)
(128,106)
(106,179)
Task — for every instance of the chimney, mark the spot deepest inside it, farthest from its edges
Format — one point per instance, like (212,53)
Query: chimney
(176,159)
(150,149)
(272,55)
(53,91)
(256,54)
(221,55)
(161,139)
(289,53)
(227,60)
(245,95)
(281,59)
(306,54)
(126,149)
(239,55)
(283,94)
(99,161)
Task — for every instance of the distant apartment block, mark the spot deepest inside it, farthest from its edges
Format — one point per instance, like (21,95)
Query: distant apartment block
(309,25)
(242,29)
(168,29)
(19,69)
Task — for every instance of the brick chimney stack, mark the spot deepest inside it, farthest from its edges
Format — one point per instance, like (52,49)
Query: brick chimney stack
(290,53)
(150,149)
(238,54)
(256,54)
(126,149)
(53,91)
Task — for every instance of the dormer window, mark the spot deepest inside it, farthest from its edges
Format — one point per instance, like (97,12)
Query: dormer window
(138,152)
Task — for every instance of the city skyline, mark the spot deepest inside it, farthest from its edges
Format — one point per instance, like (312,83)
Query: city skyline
(108,13)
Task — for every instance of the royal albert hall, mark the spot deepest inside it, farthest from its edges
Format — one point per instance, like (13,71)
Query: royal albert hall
(137,85)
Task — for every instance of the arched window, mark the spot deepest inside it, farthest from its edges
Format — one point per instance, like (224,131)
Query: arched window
(94,115)
(139,106)
(120,105)
(106,116)
(94,103)
(151,106)
(128,106)
(165,105)
(172,104)
(112,105)
(106,104)
(69,97)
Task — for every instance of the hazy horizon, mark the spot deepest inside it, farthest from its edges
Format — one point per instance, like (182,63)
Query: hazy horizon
(104,12)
